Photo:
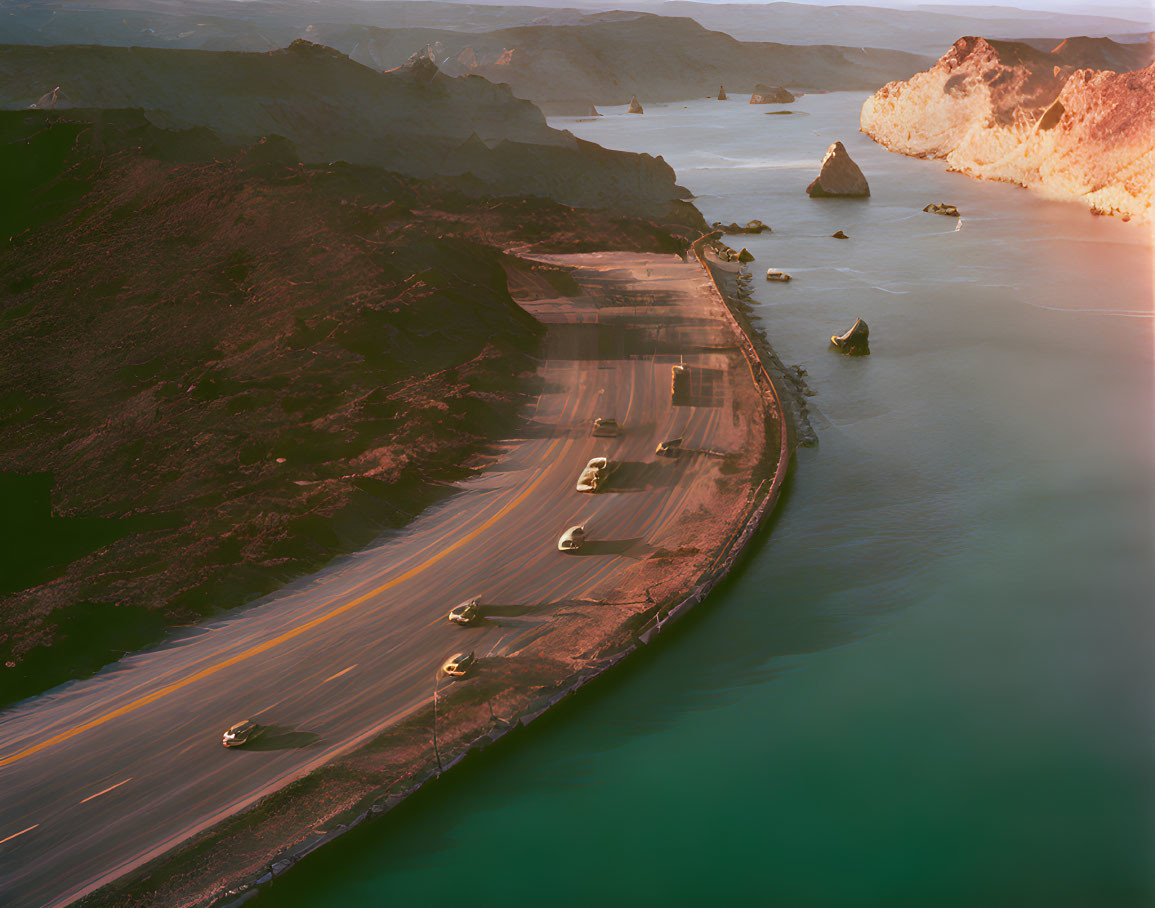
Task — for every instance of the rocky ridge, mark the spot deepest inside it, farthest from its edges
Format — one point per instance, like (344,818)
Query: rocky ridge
(413,120)
(1053,122)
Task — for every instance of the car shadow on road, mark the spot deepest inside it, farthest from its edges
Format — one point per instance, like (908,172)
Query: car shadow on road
(504,611)
(274,737)
(631,548)
(638,475)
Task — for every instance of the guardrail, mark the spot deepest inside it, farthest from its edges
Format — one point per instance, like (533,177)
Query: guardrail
(755,509)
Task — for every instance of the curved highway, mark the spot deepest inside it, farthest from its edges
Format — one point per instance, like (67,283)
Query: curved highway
(101,775)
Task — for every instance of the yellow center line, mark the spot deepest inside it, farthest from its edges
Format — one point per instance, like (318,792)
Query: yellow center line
(282,638)
(21,832)
(340,673)
(107,790)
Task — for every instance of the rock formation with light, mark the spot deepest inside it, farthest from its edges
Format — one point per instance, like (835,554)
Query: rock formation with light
(839,176)
(1005,111)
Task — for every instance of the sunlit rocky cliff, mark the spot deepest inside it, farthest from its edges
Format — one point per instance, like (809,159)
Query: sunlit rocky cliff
(1061,123)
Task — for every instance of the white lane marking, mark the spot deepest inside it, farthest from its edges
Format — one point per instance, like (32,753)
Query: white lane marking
(106,791)
(492,648)
(340,673)
(21,832)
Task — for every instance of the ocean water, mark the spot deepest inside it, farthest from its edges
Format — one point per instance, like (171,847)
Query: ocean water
(931,683)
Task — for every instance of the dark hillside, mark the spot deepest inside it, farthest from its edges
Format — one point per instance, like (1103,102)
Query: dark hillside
(220,367)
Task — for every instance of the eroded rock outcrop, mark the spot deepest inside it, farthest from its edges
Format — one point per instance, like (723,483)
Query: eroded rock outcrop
(635,107)
(1005,111)
(764,94)
(839,176)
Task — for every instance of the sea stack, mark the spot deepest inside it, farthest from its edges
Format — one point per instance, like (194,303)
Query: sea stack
(855,342)
(635,107)
(764,94)
(593,112)
(721,92)
(839,176)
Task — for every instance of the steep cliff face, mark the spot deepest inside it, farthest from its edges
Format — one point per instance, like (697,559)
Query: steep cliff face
(411,120)
(1006,111)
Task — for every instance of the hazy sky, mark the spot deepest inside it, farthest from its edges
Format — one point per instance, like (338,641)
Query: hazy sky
(1136,9)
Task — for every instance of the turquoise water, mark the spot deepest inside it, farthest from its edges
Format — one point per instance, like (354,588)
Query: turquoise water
(931,684)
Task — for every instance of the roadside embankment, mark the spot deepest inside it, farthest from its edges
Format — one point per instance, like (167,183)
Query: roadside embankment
(676,528)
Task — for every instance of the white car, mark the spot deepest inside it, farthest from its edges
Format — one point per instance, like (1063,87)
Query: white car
(572,539)
(595,473)
(240,734)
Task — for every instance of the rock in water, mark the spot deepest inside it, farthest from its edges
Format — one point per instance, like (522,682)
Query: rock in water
(764,94)
(839,176)
(721,92)
(593,112)
(745,256)
(839,236)
(635,107)
(942,208)
(854,342)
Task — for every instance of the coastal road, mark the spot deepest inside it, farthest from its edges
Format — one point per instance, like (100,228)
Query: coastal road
(103,774)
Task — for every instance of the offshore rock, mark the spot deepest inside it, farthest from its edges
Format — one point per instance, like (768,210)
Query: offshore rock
(745,256)
(854,342)
(764,94)
(839,236)
(755,226)
(942,208)
(839,176)
(635,107)
(721,92)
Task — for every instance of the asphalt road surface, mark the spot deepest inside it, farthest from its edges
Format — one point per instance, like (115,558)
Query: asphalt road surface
(101,775)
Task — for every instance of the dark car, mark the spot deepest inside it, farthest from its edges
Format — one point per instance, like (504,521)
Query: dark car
(459,664)
(467,613)
(604,427)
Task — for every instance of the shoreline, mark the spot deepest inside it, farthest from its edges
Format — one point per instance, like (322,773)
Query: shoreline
(521,697)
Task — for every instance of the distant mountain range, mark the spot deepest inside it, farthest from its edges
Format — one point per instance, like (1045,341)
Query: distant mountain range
(924,30)
(566,68)
(269,24)
(569,62)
